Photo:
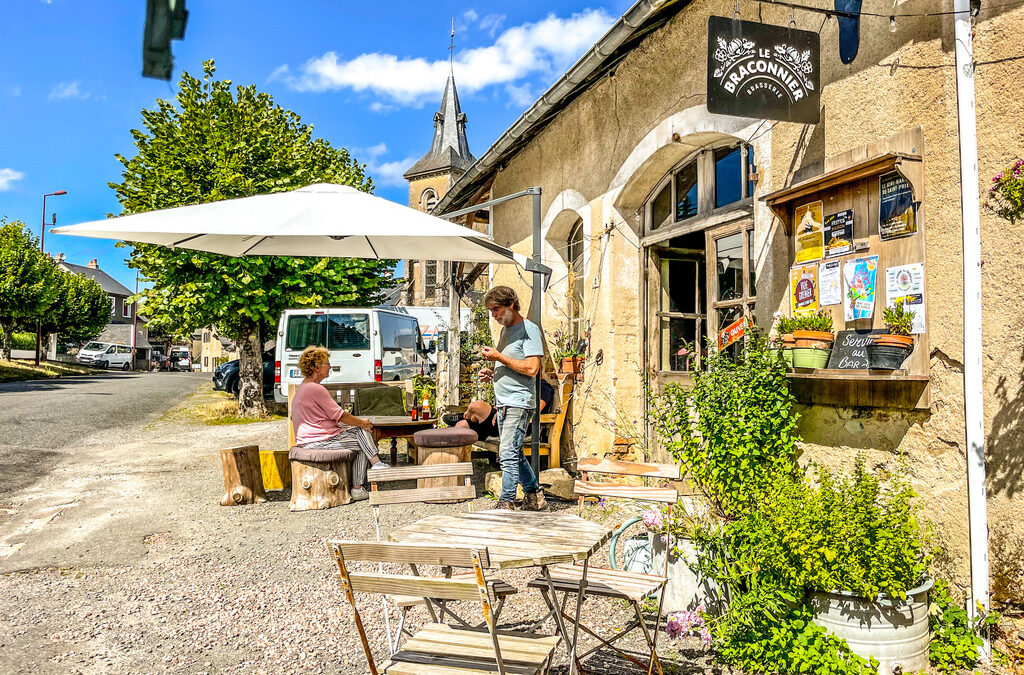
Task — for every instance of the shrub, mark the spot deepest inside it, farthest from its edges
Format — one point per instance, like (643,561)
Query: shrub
(734,431)
(819,321)
(1006,195)
(23,341)
(955,637)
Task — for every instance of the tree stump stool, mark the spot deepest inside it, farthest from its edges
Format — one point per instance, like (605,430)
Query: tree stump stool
(243,481)
(443,446)
(320,478)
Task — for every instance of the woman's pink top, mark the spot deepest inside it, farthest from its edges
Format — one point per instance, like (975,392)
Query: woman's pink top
(315,415)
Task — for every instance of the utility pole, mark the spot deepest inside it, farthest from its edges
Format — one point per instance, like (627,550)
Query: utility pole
(42,249)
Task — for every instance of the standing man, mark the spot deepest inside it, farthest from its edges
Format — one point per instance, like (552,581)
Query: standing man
(516,364)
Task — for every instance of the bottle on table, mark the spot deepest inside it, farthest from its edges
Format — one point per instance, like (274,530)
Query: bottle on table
(426,408)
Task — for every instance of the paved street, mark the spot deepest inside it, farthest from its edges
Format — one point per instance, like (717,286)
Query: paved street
(42,420)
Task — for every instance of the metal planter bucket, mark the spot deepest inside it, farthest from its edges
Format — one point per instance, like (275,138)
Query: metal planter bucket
(893,631)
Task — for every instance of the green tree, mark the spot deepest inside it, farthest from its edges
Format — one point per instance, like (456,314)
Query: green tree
(213,145)
(26,280)
(80,311)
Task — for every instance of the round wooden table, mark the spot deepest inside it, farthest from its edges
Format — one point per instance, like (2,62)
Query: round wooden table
(516,539)
(395,427)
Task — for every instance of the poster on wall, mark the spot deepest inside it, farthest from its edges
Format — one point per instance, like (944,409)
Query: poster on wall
(906,282)
(897,212)
(809,233)
(803,287)
(859,287)
(731,333)
(839,233)
(830,284)
(763,71)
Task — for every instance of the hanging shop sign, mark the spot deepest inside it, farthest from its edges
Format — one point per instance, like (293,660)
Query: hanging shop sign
(803,289)
(859,287)
(810,232)
(839,233)
(731,333)
(763,71)
(897,212)
(906,282)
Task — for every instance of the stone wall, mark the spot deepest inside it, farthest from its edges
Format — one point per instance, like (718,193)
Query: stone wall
(599,159)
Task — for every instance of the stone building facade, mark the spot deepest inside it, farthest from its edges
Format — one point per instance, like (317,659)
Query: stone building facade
(629,121)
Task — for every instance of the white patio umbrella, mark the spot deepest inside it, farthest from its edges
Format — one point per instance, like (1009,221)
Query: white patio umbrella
(322,220)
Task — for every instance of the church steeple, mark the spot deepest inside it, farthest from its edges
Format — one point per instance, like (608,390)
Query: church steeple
(450,148)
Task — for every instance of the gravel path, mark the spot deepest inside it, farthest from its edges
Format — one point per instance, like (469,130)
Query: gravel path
(152,575)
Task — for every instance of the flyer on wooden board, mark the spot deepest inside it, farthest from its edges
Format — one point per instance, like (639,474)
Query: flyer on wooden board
(897,212)
(839,233)
(803,289)
(810,232)
(830,283)
(906,282)
(859,287)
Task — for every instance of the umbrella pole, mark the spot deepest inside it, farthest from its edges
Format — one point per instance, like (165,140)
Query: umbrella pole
(535,316)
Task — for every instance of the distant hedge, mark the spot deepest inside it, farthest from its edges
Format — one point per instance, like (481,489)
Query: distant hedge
(23,341)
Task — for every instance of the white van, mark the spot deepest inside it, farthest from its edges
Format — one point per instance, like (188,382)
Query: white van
(105,355)
(366,345)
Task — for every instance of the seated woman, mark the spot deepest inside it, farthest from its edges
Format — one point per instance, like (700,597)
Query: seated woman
(321,423)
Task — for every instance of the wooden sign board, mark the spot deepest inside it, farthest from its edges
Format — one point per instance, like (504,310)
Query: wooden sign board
(849,350)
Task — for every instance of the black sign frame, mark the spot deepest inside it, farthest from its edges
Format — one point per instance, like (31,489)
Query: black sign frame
(763,71)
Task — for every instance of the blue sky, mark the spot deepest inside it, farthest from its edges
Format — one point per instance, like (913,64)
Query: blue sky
(367,76)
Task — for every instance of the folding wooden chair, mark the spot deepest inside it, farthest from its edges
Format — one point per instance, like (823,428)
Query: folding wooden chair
(438,649)
(620,584)
(499,589)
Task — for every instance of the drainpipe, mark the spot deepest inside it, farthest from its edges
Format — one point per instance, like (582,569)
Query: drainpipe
(973,391)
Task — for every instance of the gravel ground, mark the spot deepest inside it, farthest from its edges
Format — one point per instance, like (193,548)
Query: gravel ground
(143,571)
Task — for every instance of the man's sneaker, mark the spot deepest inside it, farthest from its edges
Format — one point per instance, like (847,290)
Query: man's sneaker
(505,506)
(451,419)
(535,502)
(381,465)
(359,494)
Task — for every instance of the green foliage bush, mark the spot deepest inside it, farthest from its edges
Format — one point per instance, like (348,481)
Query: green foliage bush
(1006,194)
(955,637)
(898,320)
(734,431)
(819,321)
(23,341)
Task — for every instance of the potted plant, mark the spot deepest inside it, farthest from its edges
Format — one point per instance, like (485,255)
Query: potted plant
(889,350)
(784,337)
(569,352)
(813,338)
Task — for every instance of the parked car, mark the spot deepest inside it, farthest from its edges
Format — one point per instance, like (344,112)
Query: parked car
(159,361)
(180,359)
(105,355)
(366,345)
(225,376)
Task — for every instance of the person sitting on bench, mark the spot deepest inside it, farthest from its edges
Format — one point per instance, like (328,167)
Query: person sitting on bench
(479,415)
(321,423)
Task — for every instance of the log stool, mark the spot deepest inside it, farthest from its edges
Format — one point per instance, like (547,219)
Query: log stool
(443,446)
(320,478)
(243,482)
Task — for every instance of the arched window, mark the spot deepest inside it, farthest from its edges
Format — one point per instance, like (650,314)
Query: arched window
(428,200)
(699,240)
(574,260)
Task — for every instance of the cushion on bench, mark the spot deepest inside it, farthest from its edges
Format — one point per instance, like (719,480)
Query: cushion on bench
(322,455)
(444,438)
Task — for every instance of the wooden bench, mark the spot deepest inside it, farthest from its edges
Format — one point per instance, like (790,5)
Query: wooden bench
(554,423)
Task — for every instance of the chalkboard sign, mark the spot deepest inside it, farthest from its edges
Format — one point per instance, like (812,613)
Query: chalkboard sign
(848,351)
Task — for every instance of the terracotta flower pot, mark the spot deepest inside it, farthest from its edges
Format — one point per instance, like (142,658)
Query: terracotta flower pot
(814,338)
(572,365)
(894,340)
(788,341)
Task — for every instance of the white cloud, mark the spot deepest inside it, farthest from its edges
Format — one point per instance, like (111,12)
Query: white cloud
(16,90)
(520,95)
(470,15)
(382,108)
(383,173)
(7,177)
(491,23)
(545,47)
(66,90)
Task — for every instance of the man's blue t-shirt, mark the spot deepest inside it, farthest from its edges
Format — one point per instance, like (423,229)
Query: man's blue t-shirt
(517,342)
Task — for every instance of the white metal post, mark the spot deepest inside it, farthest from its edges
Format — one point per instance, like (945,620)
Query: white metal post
(973,391)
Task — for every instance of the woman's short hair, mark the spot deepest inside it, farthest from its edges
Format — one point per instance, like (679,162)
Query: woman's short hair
(503,296)
(312,358)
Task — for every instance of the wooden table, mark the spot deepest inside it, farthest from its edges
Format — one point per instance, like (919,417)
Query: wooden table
(395,427)
(517,539)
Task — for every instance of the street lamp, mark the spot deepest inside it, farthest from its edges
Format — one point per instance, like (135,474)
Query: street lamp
(42,238)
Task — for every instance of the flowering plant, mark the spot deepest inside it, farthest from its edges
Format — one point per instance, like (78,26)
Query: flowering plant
(1006,195)
(681,624)
(567,346)
(653,520)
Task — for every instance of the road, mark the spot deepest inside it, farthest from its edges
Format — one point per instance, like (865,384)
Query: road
(41,420)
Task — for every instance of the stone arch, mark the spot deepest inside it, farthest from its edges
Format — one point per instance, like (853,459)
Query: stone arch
(568,207)
(658,151)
